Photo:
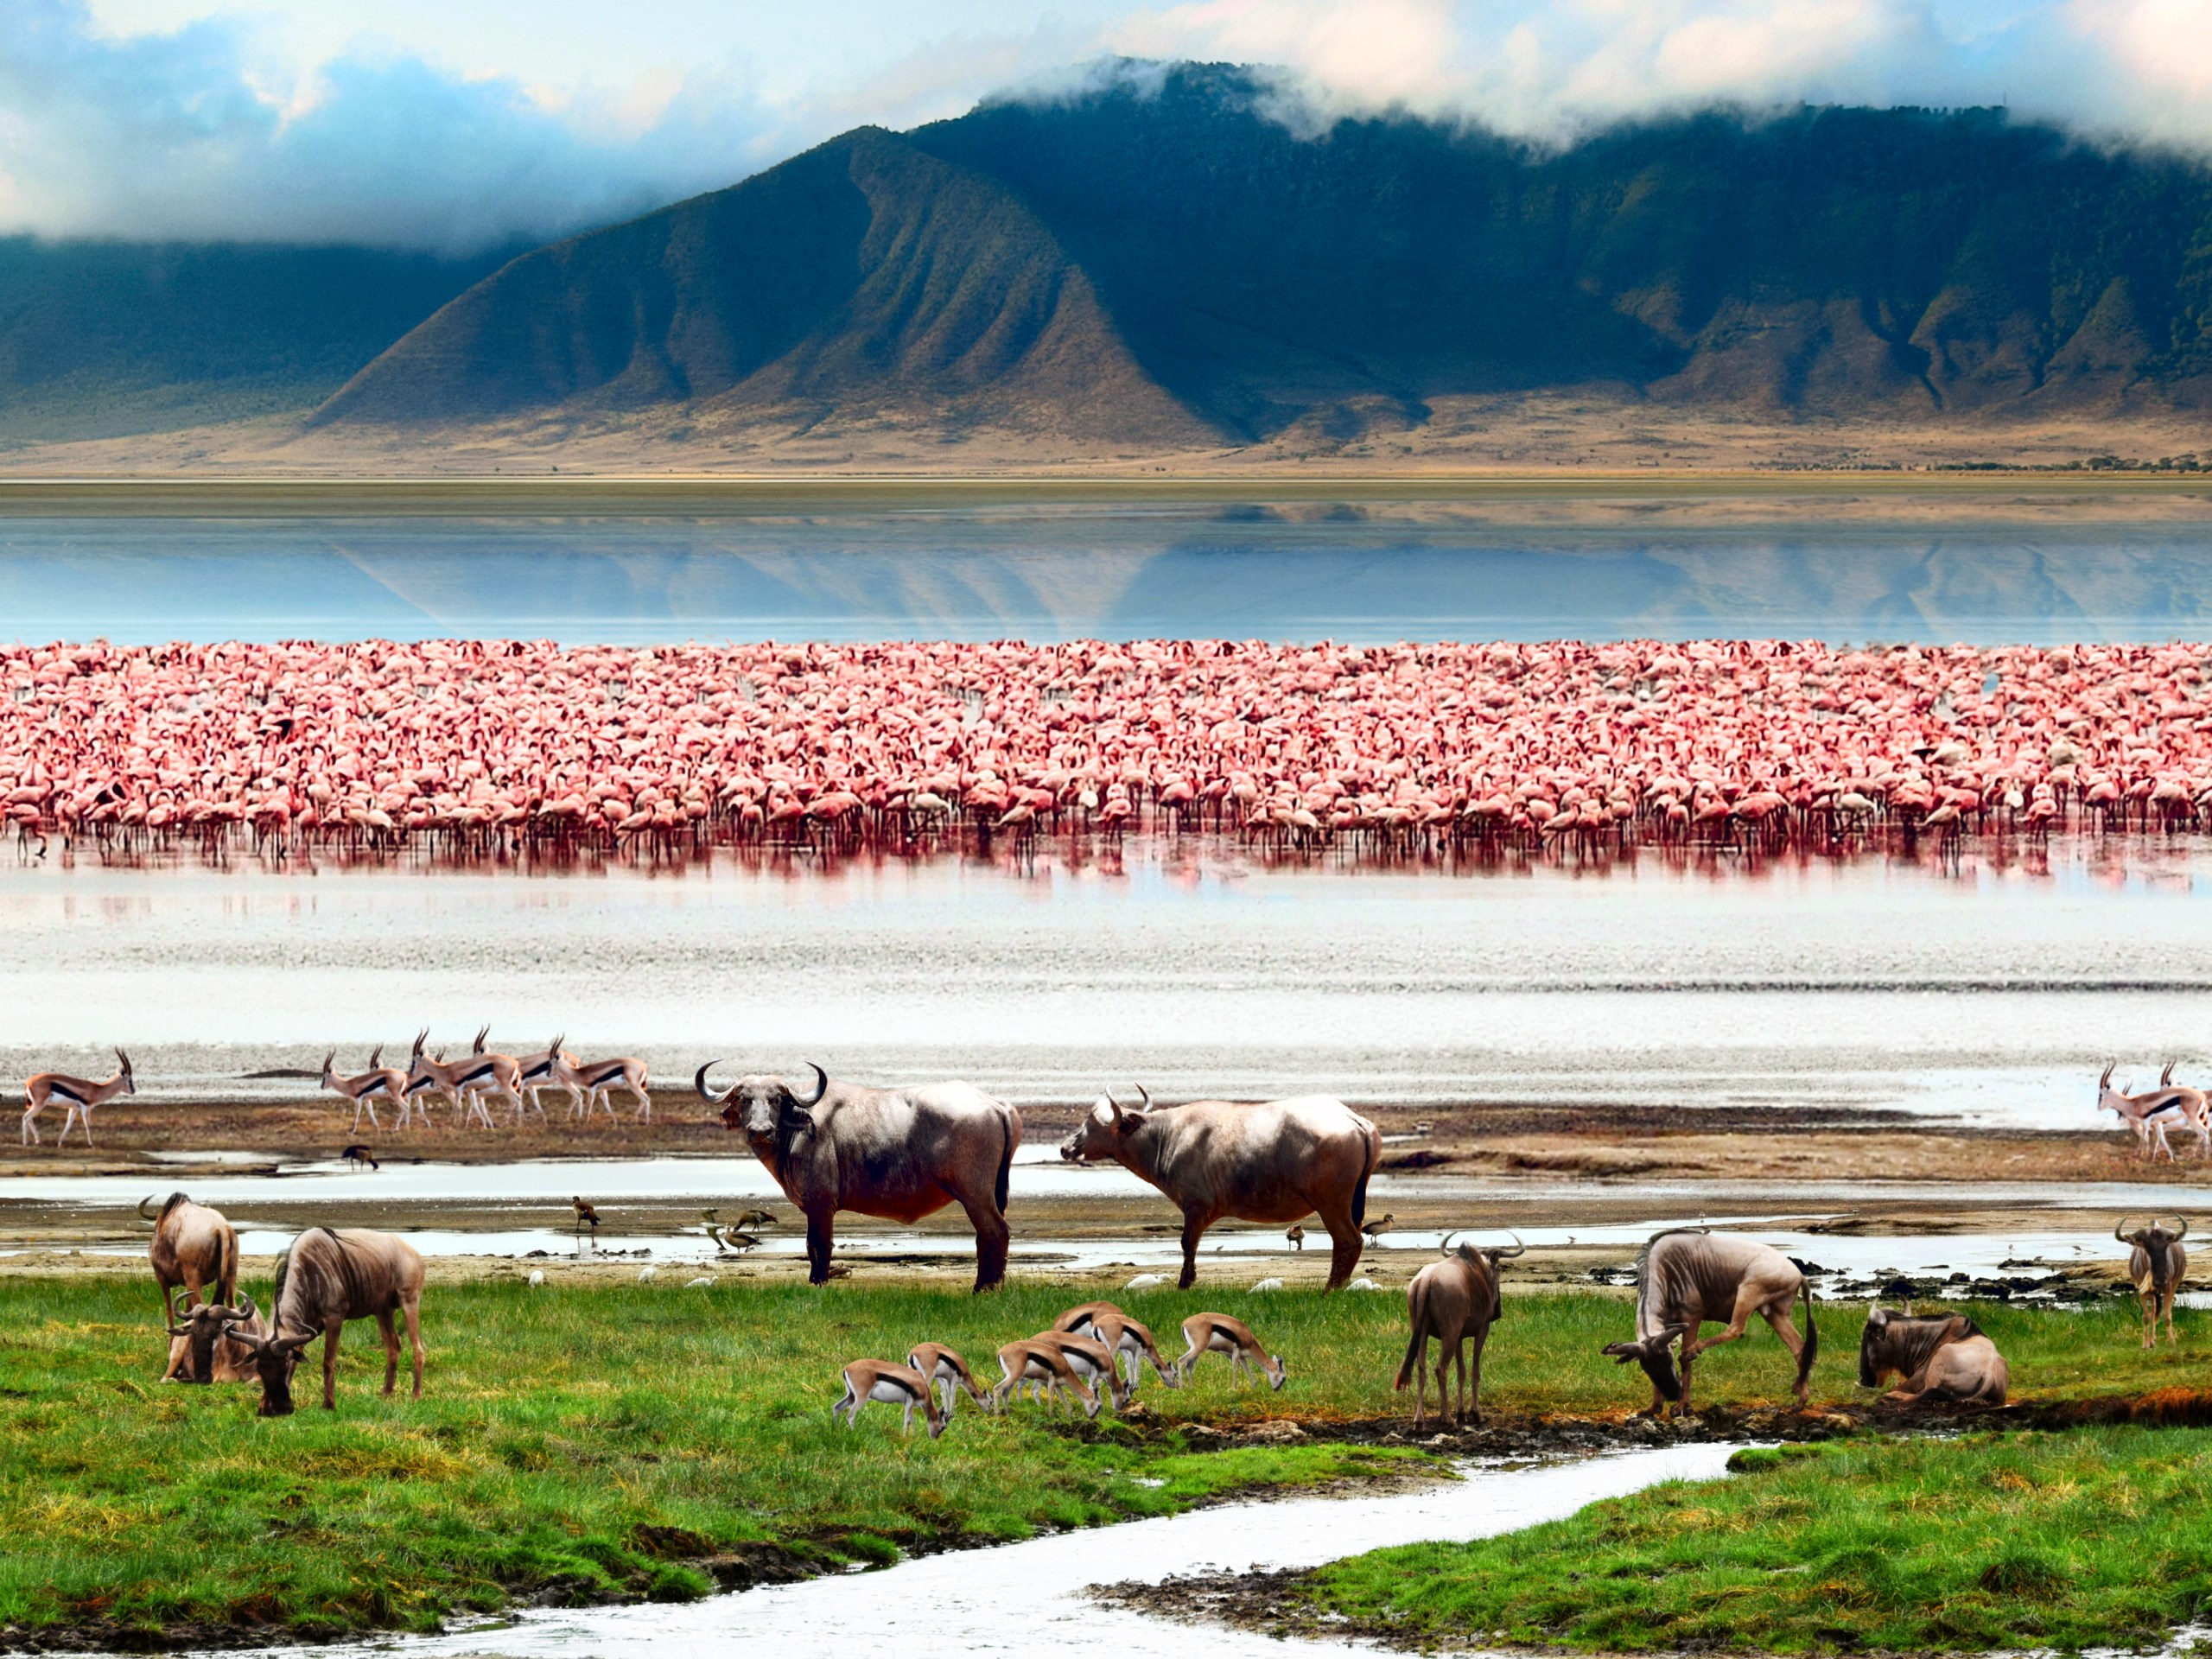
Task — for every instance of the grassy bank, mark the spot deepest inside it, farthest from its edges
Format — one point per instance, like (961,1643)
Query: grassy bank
(2097,1537)
(650,1441)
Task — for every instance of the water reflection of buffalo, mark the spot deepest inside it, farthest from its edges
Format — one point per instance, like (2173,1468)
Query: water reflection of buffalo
(1940,1356)
(1278,1162)
(899,1154)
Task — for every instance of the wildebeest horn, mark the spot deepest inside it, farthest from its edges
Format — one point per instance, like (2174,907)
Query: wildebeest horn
(1519,1249)
(246,1310)
(1445,1247)
(168,1296)
(2120,1229)
(2181,1229)
(821,1086)
(1145,1095)
(699,1082)
(143,1202)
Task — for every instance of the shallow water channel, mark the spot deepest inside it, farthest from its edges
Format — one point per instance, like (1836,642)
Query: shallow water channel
(1027,1598)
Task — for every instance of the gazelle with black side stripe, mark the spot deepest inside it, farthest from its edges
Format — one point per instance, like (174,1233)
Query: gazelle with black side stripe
(78,1094)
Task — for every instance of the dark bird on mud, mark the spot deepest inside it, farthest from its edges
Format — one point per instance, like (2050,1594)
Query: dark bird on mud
(838,1270)
(757,1218)
(586,1215)
(728,1238)
(1376,1229)
(1297,1237)
(358,1155)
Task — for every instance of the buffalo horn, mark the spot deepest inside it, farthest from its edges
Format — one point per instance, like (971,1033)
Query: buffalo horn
(2119,1231)
(699,1082)
(1145,1095)
(821,1086)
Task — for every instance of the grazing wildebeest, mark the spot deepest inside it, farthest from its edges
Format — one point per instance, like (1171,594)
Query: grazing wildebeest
(1688,1276)
(2156,1265)
(1940,1356)
(1454,1301)
(323,1279)
(194,1248)
(1279,1161)
(211,1343)
(900,1153)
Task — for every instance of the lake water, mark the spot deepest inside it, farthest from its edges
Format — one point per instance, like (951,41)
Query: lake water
(1354,571)
(1984,988)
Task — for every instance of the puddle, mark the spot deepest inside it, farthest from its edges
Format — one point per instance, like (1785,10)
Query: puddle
(1027,1598)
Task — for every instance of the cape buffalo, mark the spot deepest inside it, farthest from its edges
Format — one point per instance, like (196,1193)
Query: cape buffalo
(325,1279)
(900,1153)
(1686,1277)
(1454,1301)
(1940,1356)
(1280,1161)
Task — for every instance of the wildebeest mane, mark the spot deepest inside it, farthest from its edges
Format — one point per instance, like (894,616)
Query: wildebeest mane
(174,1199)
(1643,1269)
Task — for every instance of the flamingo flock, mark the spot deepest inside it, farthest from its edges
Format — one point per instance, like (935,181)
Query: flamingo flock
(485,743)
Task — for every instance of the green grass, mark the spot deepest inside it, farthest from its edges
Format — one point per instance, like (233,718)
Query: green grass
(588,1444)
(2093,1537)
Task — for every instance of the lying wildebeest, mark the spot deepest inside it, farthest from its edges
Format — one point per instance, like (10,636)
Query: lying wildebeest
(1940,1356)
(2156,1265)
(194,1248)
(1454,1300)
(323,1279)
(901,1154)
(213,1342)
(1278,1162)
(1688,1276)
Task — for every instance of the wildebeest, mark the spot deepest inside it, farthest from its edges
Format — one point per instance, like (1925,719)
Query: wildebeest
(2156,1265)
(192,1247)
(213,1342)
(1687,1276)
(1454,1300)
(323,1279)
(900,1153)
(1279,1161)
(1940,1356)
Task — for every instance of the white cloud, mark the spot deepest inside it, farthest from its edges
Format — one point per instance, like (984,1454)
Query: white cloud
(118,124)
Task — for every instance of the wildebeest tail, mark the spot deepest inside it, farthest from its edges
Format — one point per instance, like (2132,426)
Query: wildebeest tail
(1417,1306)
(1005,1162)
(1812,1349)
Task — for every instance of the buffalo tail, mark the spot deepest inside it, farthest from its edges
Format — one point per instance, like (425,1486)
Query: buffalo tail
(1005,1162)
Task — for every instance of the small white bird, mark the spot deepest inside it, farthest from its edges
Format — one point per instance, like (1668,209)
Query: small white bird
(705,1281)
(1362,1284)
(1266,1284)
(646,1275)
(537,1277)
(1145,1282)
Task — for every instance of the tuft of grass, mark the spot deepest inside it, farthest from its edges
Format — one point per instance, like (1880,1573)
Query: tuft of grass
(2090,1538)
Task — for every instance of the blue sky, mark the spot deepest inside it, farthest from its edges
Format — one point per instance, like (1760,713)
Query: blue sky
(453,124)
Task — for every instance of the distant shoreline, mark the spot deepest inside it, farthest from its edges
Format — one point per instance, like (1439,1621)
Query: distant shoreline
(2028,493)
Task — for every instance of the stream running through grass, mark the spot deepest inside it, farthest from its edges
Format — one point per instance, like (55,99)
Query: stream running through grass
(1028,1598)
